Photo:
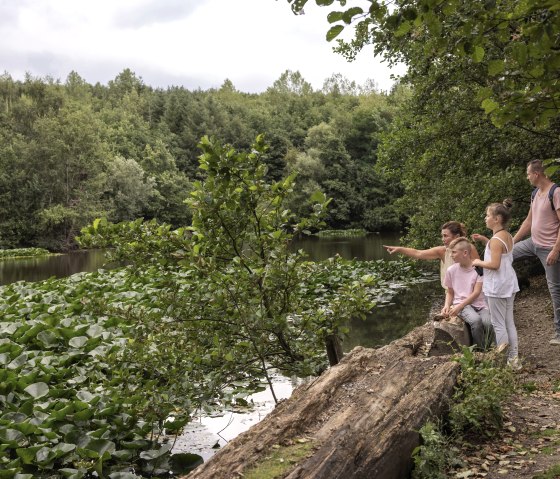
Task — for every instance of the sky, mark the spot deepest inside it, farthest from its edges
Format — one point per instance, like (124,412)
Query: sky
(190,43)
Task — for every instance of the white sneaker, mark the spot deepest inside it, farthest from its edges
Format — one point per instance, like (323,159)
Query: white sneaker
(514,363)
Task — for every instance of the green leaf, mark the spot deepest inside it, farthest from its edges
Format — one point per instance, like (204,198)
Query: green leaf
(78,341)
(478,54)
(155,453)
(489,105)
(334,32)
(403,29)
(101,446)
(334,17)
(12,437)
(349,14)
(37,390)
(484,93)
(495,67)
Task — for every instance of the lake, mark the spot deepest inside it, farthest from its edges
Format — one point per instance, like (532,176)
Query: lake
(407,309)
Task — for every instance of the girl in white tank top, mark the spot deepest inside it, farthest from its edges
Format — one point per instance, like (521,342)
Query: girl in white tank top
(500,281)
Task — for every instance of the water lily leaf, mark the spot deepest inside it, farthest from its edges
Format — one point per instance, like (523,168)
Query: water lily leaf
(18,362)
(25,428)
(37,390)
(44,455)
(48,338)
(101,446)
(14,417)
(4,359)
(185,462)
(78,341)
(84,395)
(95,331)
(138,444)
(63,448)
(8,328)
(27,454)
(155,453)
(71,473)
(12,437)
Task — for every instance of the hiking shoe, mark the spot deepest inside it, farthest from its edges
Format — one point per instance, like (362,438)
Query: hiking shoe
(514,363)
(555,340)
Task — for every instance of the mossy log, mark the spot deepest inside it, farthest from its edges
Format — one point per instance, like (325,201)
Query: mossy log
(361,417)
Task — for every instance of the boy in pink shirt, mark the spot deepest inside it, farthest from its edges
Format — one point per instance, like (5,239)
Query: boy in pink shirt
(464,296)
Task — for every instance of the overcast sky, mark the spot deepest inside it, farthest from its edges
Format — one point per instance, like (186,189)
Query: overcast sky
(193,43)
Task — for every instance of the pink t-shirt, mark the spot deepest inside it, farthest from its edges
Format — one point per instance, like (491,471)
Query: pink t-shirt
(462,281)
(544,221)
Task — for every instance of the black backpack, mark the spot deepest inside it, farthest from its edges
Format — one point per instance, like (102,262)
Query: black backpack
(550,195)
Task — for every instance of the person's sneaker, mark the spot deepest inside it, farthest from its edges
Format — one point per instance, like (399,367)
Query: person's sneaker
(514,363)
(555,340)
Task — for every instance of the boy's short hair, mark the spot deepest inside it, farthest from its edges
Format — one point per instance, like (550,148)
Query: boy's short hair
(461,243)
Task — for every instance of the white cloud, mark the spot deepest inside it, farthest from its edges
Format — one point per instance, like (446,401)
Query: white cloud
(197,44)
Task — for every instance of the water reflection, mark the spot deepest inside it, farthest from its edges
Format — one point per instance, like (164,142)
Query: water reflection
(44,267)
(408,309)
(366,248)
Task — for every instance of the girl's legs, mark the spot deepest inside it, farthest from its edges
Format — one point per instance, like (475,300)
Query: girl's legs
(511,329)
(501,314)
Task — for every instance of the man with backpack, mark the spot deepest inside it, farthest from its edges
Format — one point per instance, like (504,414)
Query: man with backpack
(543,223)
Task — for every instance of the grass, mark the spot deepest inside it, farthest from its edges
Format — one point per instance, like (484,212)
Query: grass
(279,461)
(551,473)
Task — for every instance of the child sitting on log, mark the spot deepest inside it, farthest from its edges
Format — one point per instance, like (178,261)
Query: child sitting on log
(464,297)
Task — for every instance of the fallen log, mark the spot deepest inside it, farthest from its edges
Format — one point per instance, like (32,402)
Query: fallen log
(359,419)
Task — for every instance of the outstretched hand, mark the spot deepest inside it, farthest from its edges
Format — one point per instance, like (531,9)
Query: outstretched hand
(391,249)
(478,237)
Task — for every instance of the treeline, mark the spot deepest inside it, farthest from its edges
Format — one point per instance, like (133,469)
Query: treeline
(71,151)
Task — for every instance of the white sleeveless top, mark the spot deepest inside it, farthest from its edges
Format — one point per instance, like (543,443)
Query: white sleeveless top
(502,282)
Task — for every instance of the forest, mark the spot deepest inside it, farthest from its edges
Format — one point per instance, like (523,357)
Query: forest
(100,370)
(72,152)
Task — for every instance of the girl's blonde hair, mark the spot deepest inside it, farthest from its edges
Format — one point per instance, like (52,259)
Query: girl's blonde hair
(501,209)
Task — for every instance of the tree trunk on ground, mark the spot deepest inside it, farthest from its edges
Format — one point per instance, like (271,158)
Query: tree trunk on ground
(360,417)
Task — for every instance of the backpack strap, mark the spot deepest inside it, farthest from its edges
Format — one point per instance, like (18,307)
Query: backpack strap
(550,195)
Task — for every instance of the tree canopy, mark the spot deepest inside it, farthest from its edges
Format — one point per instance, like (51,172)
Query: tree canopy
(516,43)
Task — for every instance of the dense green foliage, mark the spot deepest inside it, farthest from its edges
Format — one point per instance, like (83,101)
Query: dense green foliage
(100,371)
(71,152)
(483,100)
(484,385)
(433,456)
